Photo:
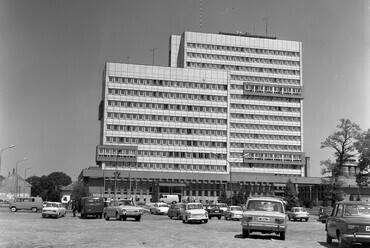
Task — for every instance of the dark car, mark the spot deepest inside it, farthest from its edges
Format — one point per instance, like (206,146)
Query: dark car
(92,205)
(175,210)
(214,211)
(349,222)
(324,212)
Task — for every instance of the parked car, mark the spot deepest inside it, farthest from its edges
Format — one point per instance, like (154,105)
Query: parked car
(175,210)
(194,212)
(324,212)
(4,202)
(264,215)
(233,213)
(92,205)
(122,209)
(26,203)
(298,213)
(159,208)
(349,222)
(169,199)
(54,209)
(223,206)
(214,211)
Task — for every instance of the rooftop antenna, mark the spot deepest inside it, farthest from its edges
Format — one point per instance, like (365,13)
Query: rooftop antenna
(153,51)
(200,15)
(266,22)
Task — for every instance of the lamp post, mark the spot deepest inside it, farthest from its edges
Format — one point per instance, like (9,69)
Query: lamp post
(16,174)
(231,179)
(1,153)
(25,173)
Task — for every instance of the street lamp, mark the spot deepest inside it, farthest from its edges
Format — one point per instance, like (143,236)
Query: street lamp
(16,174)
(231,179)
(1,153)
(25,173)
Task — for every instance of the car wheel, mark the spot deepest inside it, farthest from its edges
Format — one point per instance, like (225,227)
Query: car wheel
(328,239)
(13,209)
(219,217)
(282,235)
(138,218)
(43,216)
(34,210)
(306,219)
(118,216)
(209,217)
(246,233)
(206,221)
(183,220)
(170,217)
(225,217)
(106,216)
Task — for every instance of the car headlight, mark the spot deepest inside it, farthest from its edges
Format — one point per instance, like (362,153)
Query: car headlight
(353,227)
(248,219)
(279,221)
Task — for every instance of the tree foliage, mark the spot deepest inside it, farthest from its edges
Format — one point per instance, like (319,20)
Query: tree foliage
(49,187)
(290,195)
(79,190)
(343,142)
(363,147)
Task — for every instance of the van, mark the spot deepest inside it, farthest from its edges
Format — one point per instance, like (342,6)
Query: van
(92,205)
(169,198)
(26,203)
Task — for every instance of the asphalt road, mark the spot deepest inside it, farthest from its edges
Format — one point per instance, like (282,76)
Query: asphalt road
(27,229)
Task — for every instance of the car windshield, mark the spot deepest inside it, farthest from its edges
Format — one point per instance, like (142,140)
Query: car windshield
(236,209)
(213,207)
(92,200)
(223,205)
(126,203)
(300,210)
(162,205)
(357,210)
(265,205)
(54,205)
(195,206)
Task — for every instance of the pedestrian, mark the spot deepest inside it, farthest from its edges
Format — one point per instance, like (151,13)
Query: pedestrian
(74,208)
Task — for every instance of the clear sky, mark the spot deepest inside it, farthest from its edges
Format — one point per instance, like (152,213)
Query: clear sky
(52,55)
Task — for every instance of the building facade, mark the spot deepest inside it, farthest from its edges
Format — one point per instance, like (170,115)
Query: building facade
(228,109)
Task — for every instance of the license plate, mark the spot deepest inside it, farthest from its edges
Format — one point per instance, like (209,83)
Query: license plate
(367,228)
(263,219)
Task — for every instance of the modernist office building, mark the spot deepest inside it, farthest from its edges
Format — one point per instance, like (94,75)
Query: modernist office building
(228,109)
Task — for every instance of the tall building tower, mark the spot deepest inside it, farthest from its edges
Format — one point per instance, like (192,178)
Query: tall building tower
(227,110)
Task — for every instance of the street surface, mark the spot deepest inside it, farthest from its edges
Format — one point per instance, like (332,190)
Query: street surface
(27,229)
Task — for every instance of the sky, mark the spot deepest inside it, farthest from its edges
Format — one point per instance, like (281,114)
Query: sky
(52,55)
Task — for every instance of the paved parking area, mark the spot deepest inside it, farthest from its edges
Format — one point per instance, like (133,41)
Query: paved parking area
(27,229)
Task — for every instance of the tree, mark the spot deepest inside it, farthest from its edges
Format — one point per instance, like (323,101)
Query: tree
(79,190)
(290,195)
(49,187)
(343,142)
(363,148)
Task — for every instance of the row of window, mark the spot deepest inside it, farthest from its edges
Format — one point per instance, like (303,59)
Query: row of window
(264,136)
(169,95)
(273,156)
(264,79)
(242,68)
(243,59)
(167,83)
(168,130)
(169,142)
(169,166)
(265,127)
(265,117)
(264,108)
(164,106)
(272,89)
(265,98)
(183,119)
(258,146)
(214,121)
(242,49)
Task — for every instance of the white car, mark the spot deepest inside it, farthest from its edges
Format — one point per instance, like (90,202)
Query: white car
(54,209)
(159,208)
(194,212)
(233,213)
